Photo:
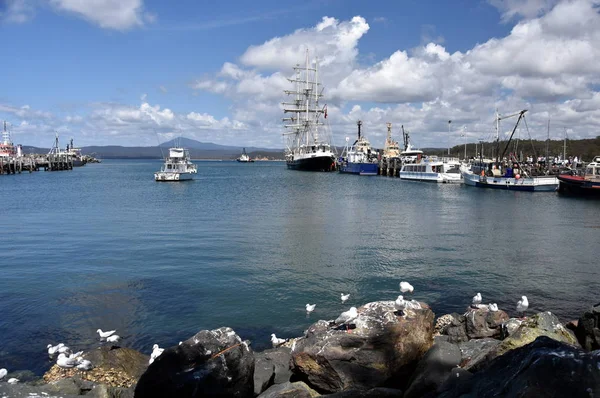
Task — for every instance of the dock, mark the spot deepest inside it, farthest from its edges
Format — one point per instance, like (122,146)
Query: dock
(31,163)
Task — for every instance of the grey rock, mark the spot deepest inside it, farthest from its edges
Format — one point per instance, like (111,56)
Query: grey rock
(298,389)
(459,382)
(481,322)
(510,327)
(218,363)
(379,392)
(264,373)
(588,329)
(433,369)
(543,368)
(381,348)
(455,328)
(281,359)
(475,351)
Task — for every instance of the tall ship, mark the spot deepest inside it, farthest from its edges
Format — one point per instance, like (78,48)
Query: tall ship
(7,148)
(177,166)
(359,159)
(308,146)
(244,158)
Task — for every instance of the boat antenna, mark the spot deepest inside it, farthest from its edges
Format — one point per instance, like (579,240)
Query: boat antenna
(521,116)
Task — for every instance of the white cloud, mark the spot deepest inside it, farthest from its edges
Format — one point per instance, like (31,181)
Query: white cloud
(111,14)
(523,8)
(16,11)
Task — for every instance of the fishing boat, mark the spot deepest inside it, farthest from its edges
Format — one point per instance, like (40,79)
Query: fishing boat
(432,169)
(7,148)
(177,166)
(307,148)
(409,154)
(244,158)
(391,149)
(507,175)
(75,155)
(587,184)
(359,159)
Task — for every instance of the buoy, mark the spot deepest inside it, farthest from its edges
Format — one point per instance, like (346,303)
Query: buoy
(517,176)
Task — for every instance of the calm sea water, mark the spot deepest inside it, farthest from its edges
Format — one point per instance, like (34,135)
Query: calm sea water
(248,245)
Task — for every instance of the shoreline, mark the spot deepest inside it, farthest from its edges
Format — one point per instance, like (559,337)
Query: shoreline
(479,338)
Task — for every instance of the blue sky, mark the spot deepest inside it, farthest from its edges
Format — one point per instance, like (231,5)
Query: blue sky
(119,72)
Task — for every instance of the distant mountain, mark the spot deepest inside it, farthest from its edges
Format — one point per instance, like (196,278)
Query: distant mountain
(193,144)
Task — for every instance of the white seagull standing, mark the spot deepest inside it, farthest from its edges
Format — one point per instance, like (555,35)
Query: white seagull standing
(156,351)
(347,316)
(400,304)
(344,297)
(104,335)
(406,287)
(476,300)
(3,373)
(13,380)
(276,341)
(493,307)
(310,308)
(522,305)
(113,339)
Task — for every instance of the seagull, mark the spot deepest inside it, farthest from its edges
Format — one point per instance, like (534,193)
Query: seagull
(406,287)
(84,364)
(63,349)
(156,351)
(276,341)
(75,355)
(347,316)
(476,300)
(522,305)
(113,339)
(310,308)
(493,307)
(52,349)
(13,380)
(400,304)
(65,362)
(344,297)
(3,373)
(104,335)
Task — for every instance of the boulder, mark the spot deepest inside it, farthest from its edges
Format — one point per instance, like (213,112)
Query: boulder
(211,363)
(543,368)
(66,387)
(433,369)
(379,392)
(271,367)
(475,351)
(510,327)
(458,382)
(481,322)
(298,389)
(379,348)
(588,329)
(541,324)
(454,326)
(264,374)
(114,366)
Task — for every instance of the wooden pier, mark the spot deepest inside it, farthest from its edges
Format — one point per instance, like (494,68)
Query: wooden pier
(390,167)
(31,163)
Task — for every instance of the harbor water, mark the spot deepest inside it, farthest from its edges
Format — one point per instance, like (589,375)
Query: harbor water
(249,245)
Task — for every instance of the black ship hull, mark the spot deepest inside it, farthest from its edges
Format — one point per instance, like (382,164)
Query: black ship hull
(317,163)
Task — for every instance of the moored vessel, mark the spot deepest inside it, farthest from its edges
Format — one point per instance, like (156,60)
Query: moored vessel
(359,159)
(177,166)
(307,147)
(244,158)
(7,148)
(432,169)
(587,184)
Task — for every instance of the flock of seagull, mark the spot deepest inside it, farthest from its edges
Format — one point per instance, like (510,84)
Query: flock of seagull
(67,359)
(400,305)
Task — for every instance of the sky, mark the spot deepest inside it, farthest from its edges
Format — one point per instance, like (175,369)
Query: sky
(139,72)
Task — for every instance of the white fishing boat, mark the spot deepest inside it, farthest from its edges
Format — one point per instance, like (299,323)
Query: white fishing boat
(308,146)
(409,154)
(177,166)
(244,158)
(7,148)
(507,174)
(433,169)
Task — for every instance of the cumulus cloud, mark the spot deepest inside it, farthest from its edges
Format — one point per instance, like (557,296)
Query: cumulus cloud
(16,11)
(522,8)
(111,14)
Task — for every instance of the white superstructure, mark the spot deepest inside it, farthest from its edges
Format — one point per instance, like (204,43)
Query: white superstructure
(177,166)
